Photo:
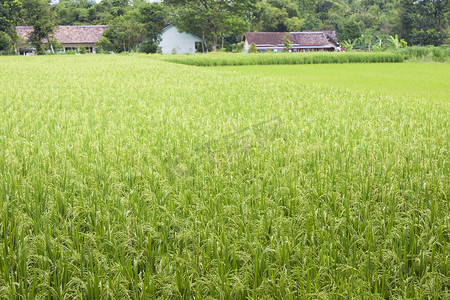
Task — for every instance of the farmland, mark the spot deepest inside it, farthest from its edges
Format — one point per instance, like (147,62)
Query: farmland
(416,80)
(130,177)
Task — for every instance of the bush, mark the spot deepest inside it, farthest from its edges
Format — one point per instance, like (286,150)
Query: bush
(104,44)
(70,52)
(53,43)
(252,48)
(149,47)
(5,42)
(237,48)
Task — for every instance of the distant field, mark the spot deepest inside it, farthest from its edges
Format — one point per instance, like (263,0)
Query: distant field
(422,80)
(238,59)
(133,178)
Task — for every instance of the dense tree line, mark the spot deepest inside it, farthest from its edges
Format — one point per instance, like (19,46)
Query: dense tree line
(137,24)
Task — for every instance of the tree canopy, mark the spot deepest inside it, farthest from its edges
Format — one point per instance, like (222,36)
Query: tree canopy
(137,24)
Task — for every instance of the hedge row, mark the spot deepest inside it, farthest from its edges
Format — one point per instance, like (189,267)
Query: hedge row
(284,58)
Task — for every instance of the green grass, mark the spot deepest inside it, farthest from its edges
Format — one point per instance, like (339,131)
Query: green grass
(422,80)
(128,177)
(428,53)
(227,59)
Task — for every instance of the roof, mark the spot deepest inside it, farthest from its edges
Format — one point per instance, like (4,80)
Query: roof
(330,35)
(264,38)
(167,26)
(305,38)
(81,34)
(309,38)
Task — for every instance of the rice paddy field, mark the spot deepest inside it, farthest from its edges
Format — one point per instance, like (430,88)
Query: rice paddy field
(415,80)
(241,59)
(134,178)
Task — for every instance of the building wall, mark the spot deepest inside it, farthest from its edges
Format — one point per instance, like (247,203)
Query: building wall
(173,41)
(90,47)
(246,46)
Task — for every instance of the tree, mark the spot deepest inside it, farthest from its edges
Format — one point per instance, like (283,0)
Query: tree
(312,23)
(287,43)
(74,12)
(9,14)
(9,18)
(125,32)
(216,16)
(5,42)
(350,30)
(295,24)
(39,14)
(425,22)
(271,18)
(153,18)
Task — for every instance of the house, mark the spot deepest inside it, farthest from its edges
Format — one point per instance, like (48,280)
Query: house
(300,41)
(173,41)
(71,37)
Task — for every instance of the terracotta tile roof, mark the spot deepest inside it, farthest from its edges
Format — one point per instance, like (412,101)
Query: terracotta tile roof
(265,38)
(24,31)
(330,35)
(309,38)
(84,34)
(305,38)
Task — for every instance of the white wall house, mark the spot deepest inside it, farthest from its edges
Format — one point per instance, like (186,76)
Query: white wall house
(173,41)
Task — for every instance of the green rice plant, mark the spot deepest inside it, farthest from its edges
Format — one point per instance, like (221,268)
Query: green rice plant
(416,80)
(282,58)
(128,177)
(429,53)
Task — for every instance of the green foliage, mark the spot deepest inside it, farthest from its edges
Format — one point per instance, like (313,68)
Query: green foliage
(125,33)
(75,12)
(70,52)
(350,30)
(9,14)
(395,43)
(39,14)
(312,23)
(425,22)
(252,48)
(148,47)
(127,177)
(5,42)
(222,23)
(403,43)
(287,43)
(238,47)
(271,18)
(429,53)
(105,45)
(153,17)
(83,50)
(348,45)
(52,44)
(215,17)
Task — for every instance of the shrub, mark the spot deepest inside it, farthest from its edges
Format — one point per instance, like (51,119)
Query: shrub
(5,42)
(237,48)
(104,44)
(252,48)
(149,47)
